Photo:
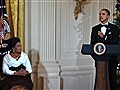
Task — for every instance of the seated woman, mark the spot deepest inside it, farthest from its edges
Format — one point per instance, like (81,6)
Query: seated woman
(16,67)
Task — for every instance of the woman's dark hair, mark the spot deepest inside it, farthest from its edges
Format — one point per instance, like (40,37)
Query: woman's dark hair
(13,41)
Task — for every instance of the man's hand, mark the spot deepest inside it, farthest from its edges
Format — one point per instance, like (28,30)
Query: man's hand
(100,34)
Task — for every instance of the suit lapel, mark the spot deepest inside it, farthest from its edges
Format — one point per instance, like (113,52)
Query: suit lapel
(99,27)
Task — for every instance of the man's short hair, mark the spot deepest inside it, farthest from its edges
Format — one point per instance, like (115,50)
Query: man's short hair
(106,11)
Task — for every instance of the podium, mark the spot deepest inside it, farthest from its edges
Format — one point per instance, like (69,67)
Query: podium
(101,54)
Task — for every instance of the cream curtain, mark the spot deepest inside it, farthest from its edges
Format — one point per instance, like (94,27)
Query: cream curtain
(16,13)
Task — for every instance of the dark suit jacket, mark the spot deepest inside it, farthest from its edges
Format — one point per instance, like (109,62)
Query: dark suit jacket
(112,34)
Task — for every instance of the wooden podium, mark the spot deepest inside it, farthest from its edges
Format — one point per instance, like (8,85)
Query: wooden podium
(101,54)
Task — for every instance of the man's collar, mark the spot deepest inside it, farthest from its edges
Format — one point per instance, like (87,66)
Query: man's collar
(104,24)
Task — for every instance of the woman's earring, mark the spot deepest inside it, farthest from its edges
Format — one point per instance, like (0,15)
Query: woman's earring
(13,50)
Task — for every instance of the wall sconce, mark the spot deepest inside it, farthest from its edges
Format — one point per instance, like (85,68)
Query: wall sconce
(79,6)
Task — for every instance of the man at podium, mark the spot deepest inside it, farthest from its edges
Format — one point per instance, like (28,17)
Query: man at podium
(106,33)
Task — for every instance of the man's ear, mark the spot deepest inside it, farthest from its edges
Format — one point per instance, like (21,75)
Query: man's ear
(108,16)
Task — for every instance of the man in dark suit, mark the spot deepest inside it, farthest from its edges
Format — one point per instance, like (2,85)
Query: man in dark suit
(106,33)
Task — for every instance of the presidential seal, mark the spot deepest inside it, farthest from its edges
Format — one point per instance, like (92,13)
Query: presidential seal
(99,48)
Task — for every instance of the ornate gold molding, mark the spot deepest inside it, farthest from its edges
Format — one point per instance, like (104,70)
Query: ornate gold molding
(79,6)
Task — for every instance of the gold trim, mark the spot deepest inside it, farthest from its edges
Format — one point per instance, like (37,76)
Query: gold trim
(99,53)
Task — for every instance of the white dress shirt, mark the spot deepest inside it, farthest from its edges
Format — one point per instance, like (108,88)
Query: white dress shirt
(103,29)
(9,61)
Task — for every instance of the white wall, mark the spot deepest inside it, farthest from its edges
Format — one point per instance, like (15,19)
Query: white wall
(52,32)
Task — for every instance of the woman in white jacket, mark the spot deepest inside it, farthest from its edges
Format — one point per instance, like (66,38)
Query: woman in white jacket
(16,67)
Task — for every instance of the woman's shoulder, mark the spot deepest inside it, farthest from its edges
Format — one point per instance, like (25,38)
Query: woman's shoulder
(23,54)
